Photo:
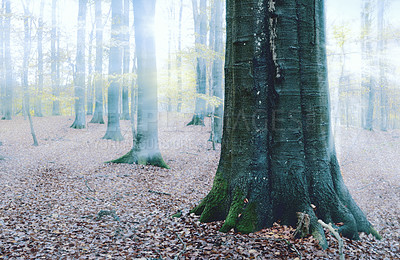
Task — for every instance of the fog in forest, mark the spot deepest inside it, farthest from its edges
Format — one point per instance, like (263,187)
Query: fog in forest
(112,128)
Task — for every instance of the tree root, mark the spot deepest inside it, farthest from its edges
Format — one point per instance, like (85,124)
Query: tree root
(337,236)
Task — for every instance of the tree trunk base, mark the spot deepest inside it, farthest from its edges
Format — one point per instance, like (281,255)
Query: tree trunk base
(78,125)
(97,119)
(113,135)
(135,157)
(245,213)
(197,120)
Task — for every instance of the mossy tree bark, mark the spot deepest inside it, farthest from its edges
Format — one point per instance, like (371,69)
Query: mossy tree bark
(79,79)
(115,70)
(98,67)
(200,29)
(146,149)
(278,155)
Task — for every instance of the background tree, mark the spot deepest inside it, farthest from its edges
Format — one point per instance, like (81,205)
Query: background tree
(179,57)
(146,149)
(54,59)
(40,80)
(367,80)
(216,73)
(98,67)
(8,65)
(381,46)
(114,72)
(274,162)
(126,61)
(79,78)
(90,89)
(25,66)
(200,30)
(2,68)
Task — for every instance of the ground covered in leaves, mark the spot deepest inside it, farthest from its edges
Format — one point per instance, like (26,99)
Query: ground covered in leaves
(60,200)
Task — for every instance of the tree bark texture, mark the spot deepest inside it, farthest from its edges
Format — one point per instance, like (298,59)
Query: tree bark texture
(79,79)
(115,70)
(146,149)
(278,155)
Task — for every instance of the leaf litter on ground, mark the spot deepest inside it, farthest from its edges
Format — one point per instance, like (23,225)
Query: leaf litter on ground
(59,200)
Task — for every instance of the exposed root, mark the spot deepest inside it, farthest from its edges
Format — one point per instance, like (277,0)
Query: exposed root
(337,236)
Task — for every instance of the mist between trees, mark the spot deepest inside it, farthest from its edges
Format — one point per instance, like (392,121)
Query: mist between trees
(268,84)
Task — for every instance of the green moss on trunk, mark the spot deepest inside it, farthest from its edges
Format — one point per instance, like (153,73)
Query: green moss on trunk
(235,212)
(211,207)
(248,221)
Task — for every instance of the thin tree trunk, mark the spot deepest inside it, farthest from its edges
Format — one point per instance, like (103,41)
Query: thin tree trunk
(169,65)
(217,74)
(38,99)
(79,79)
(98,76)
(55,87)
(90,88)
(126,60)
(381,64)
(366,53)
(25,66)
(114,71)
(179,58)
(200,24)
(8,65)
(2,67)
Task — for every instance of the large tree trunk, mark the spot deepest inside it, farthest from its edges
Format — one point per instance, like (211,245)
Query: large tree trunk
(115,71)
(367,80)
(146,149)
(98,67)
(278,155)
(200,25)
(8,65)
(80,119)
(126,61)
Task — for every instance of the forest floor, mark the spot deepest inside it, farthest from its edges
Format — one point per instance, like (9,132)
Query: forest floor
(61,201)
